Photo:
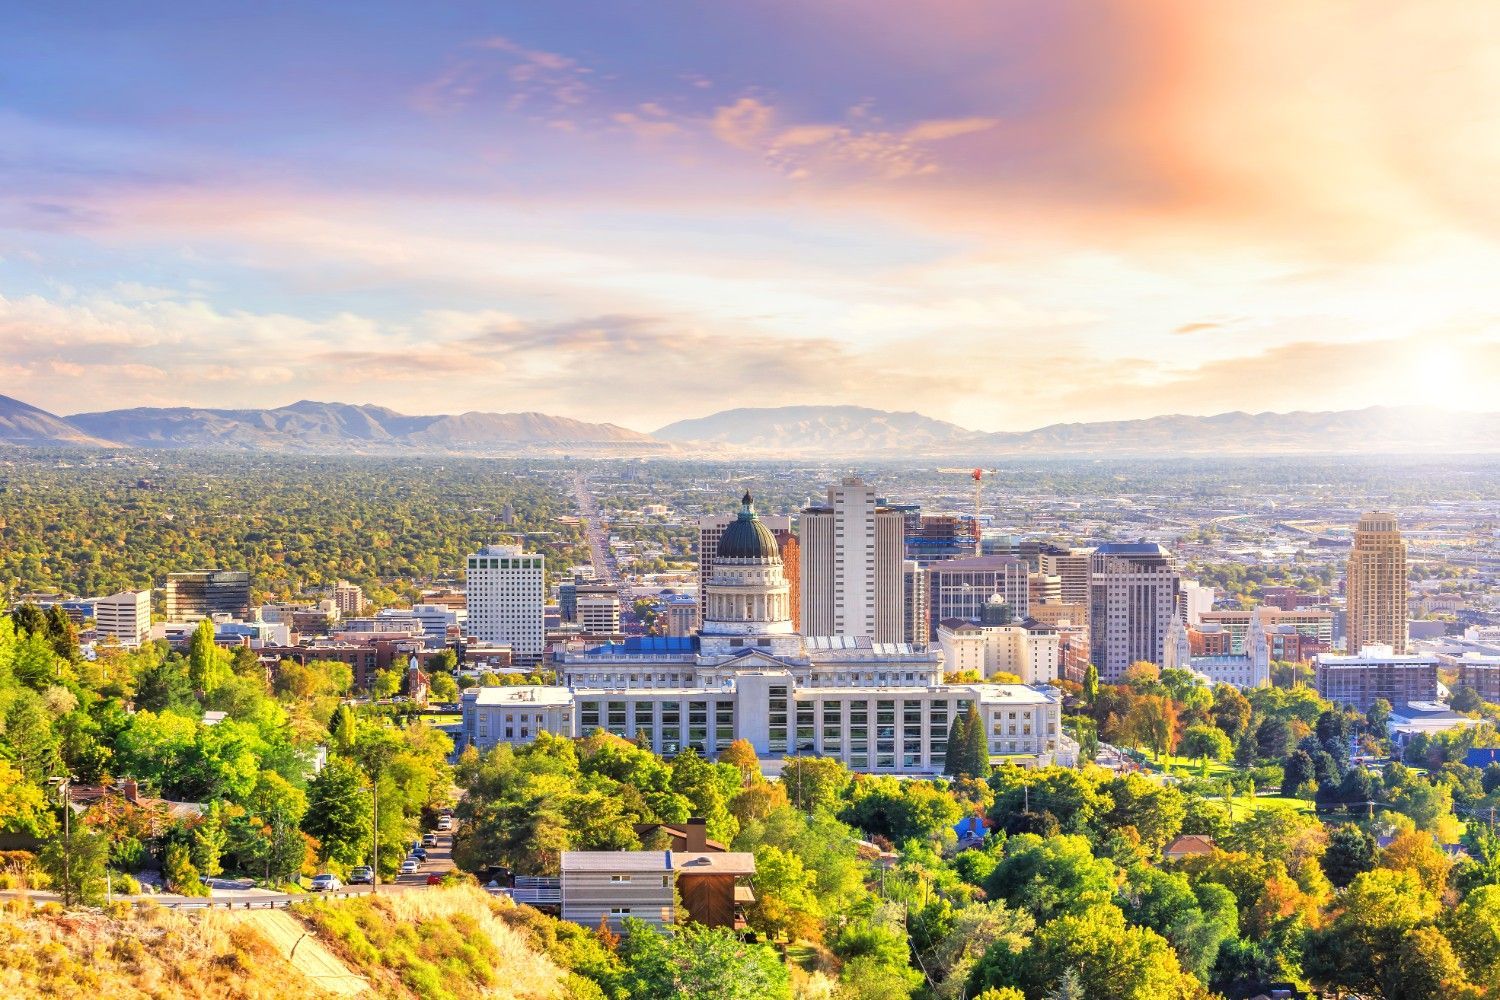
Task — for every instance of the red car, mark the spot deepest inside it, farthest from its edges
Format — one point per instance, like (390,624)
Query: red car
(435,879)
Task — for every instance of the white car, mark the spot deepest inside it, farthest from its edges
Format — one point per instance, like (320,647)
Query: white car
(445,823)
(326,883)
(409,866)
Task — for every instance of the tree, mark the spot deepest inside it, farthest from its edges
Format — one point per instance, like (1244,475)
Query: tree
(1155,811)
(814,783)
(341,728)
(76,864)
(1206,742)
(698,962)
(1357,950)
(1090,683)
(23,804)
(1351,851)
(444,687)
(740,755)
(786,901)
(1231,711)
(1049,877)
(1296,772)
(208,665)
(1153,721)
(1272,737)
(1378,715)
(968,753)
(1111,960)
(181,876)
(386,685)
(339,812)
(208,841)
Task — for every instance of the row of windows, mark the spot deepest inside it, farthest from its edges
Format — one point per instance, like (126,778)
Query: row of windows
(522,562)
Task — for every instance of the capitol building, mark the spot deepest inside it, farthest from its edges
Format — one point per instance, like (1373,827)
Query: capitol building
(877,707)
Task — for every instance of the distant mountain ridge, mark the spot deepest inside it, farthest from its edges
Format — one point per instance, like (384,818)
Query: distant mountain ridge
(804,431)
(860,431)
(302,426)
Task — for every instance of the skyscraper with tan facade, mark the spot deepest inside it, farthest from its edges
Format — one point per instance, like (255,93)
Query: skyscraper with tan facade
(1375,585)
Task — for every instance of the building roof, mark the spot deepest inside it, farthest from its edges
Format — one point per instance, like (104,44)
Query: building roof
(1190,843)
(711,863)
(521,695)
(746,537)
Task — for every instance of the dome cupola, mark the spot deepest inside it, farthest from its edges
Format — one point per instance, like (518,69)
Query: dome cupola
(746,537)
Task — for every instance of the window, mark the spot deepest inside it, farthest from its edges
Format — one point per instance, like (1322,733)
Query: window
(619,911)
(619,878)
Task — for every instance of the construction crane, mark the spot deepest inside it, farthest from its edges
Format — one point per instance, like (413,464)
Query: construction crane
(978,476)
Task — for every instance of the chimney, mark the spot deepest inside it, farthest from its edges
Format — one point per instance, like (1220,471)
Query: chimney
(697,836)
(130,789)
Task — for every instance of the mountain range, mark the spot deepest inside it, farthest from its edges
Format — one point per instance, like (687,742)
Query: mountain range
(808,431)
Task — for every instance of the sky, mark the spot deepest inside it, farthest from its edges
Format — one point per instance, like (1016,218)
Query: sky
(1004,214)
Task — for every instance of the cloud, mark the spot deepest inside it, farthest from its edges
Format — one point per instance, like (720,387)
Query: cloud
(529,79)
(1200,327)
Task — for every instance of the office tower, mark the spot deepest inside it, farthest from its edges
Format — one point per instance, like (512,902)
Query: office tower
(1072,566)
(852,552)
(1376,585)
(711,528)
(681,615)
(506,598)
(1376,671)
(599,610)
(436,621)
(1132,604)
(1043,588)
(567,599)
(961,588)
(1193,600)
(202,593)
(125,617)
(349,598)
(916,616)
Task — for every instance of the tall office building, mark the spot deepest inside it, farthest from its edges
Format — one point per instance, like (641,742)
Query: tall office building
(1132,604)
(349,598)
(932,538)
(916,614)
(506,600)
(599,610)
(1376,585)
(1072,567)
(852,550)
(124,617)
(201,593)
(962,588)
(1043,588)
(711,529)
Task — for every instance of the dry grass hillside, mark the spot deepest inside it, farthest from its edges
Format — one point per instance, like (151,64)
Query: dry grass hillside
(449,944)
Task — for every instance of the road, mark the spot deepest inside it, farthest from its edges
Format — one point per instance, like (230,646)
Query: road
(596,533)
(244,894)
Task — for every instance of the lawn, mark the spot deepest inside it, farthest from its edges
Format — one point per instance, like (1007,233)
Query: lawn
(1242,805)
(1191,765)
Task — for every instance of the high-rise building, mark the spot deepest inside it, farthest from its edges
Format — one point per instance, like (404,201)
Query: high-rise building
(932,538)
(1376,672)
(599,610)
(916,616)
(1193,600)
(961,588)
(711,528)
(201,593)
(506,600)
(1072,567)
(349,598)
(1132,603)
(1376,584)
(124,617)
(1043,588)
(852,550)
(436,621)
(681,615)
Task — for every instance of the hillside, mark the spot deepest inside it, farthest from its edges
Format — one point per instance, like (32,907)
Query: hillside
(312,426)
(24,424)
(819,429)
(852,430)
(449,943)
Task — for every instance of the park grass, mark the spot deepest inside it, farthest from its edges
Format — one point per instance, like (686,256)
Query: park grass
(1243,806)
(1191,766)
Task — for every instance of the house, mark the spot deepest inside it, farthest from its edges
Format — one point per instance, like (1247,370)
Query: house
(1188,845)
(971,831)
(126,790)
(1482,757)
(612,885)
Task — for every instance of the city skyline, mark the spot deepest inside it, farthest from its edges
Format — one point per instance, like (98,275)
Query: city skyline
(1093,213)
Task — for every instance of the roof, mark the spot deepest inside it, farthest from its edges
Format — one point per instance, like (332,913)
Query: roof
(521,695)
(1130,549)
(1190,843)
(746,537)
(1482,756)
(710,863)
(714,863)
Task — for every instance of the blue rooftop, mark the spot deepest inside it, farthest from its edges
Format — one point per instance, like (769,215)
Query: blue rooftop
(648,644)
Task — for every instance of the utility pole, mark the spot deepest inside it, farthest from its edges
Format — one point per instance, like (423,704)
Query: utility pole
(63,785)
(375,835)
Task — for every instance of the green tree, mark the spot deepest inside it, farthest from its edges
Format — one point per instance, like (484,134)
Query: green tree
(208,664)
(814,783)
(339,812)
(179,872)
(968,754)
(1207,742)
(209,838)
(76,864)
(1051,877)
(1351,851)
(1296,772)
(386,685)
(1357,950)
(698,962)
(1090,683)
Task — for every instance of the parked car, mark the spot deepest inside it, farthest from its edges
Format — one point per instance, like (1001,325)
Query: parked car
(435,878)
(420,853)
(326,882)
(363,875)
(430,840)
(409,867)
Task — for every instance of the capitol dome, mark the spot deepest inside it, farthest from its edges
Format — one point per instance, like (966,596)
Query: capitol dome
(746,537)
